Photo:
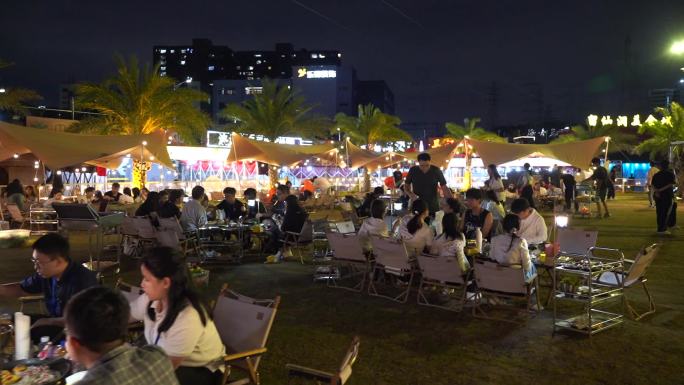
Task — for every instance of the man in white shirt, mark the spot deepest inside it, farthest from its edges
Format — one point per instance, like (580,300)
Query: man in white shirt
(532,225)
(193,215)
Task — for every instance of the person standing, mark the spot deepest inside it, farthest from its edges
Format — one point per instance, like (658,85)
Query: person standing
(662,185)
(649,179)
(495,183)
(422,182)
(569,185)
(611,185)
(600,177)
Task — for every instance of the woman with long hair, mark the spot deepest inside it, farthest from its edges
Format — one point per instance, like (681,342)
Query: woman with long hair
(451,242)
(413,230)
(374,225)
(510,249)
(495,183)
(176,319)
(15,194)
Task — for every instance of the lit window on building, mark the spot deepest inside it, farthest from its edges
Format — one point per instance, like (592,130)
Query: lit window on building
(257,55)
(251,68)
(258,61)
(162,51)
(162,73)
(163,68)
(339,55)
(183,51)
(210,68)
(182,62)
(321,56)
(173,51)
(314,56)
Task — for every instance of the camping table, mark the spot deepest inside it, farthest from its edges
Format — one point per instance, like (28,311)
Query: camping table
(214,235)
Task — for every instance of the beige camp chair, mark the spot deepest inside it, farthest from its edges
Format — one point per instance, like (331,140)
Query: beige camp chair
(442,274)
(244,325)
(349,259)
(634,276)
(130,292)
(392,265)
(186,242)
(339,378)
(298,241)
(496,282)
(576,241)
(16,216)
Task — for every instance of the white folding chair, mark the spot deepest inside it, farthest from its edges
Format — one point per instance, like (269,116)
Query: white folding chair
(394,266)
(498,282)
(442,274)
(350,261)
(321,377)
(244,325)
(576,241)
(345,227)
(633,277)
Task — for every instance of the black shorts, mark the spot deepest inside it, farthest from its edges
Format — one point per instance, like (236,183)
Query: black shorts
(602,193)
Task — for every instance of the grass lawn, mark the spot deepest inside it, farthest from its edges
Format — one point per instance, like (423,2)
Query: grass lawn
(411,344)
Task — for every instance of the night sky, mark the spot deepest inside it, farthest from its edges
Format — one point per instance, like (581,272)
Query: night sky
(439,57)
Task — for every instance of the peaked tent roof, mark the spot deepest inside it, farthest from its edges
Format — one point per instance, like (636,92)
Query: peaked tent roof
(59,149)
(578,153)
(243,148)
(359,157)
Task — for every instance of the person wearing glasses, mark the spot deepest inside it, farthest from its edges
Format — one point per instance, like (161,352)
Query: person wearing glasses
(57,277)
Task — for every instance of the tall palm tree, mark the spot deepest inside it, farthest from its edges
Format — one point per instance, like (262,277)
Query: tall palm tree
(13,99)
(140,101)
(620,140)
(276,111)
(470,129)
(370,127)
(663,132)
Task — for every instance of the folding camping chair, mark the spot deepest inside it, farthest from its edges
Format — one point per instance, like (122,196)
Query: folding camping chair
(497,282)
(339,378)
(186,242)
(244,325)
(297,241)
(443,274)
(349,261)
(392,263)
(634,276)
(575,241)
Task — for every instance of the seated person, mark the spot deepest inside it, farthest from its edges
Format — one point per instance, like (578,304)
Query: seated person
(57,277)
(364,209)
(532,226)
(451,205)
(97,326)
(413,231)
(475,216)
(170,208)
(451,242)
(56,196)
(99,203)
(294,219)
(15,195)
(176,319)
(150,206)
(233,208)
(113,194)
(258,209)
(494,206)
(539,190)
(510,249)
(282,192)
(193,215)
(511,192)
(374,225)
(88,195)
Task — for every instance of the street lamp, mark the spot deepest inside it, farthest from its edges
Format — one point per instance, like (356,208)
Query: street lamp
(677,48)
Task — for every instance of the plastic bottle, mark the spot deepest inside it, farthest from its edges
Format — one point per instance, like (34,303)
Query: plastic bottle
(46,351)
(478,239)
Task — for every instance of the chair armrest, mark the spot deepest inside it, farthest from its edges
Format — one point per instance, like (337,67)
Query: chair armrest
(31,298)
(241,355)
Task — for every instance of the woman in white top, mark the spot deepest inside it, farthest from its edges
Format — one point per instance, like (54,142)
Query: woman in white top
(451,242)
(415,233)
(374,225)
(176,320)
(510,249)
(495,183)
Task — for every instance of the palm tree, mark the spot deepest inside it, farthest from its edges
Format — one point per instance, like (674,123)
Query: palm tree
(667,130)
(136,101)
(370,127)
(619,139)
(471,130)
(13,99)
(276,111)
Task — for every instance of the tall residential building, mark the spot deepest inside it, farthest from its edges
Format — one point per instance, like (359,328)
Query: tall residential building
(233,76)
(663,97)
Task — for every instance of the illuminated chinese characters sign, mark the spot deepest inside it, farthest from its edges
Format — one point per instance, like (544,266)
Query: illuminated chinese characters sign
(316,74)
(625,121)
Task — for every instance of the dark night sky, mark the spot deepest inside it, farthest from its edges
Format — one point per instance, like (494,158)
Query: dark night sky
(439,57)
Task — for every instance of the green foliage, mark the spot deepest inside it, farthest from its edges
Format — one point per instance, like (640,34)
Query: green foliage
(371,126)
(471,130)
(136,101)
(276,111)
(662,134)
(13,99)
(619,139)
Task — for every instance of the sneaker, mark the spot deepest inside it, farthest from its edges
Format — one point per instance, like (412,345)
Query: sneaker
(664,233)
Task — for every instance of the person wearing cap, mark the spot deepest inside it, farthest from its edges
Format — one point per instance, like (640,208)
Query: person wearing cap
(423,180)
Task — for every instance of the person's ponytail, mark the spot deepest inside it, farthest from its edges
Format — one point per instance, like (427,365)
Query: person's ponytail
(418,207)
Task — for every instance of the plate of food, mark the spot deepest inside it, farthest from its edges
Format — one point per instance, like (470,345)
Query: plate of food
(35,372)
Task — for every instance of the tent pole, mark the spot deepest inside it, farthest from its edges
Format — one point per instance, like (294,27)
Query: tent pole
(605,158)
(467,179)
(237,174)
